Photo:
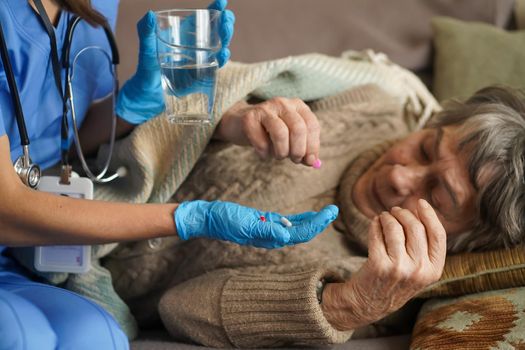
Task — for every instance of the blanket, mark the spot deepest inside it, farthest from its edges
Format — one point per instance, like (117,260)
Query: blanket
(159,156)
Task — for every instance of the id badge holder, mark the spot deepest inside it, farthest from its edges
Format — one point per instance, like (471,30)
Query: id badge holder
(65,258)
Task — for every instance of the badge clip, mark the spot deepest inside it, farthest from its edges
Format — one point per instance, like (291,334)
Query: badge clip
(65,175)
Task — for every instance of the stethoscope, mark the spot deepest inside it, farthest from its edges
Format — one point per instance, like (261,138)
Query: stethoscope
(28,171)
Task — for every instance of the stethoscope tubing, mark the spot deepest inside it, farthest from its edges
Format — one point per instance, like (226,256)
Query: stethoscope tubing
(15,97)
(100,177)
(69,66)
(28,172)
(24,164)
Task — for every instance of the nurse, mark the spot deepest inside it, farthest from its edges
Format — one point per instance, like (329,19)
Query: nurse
(34,315)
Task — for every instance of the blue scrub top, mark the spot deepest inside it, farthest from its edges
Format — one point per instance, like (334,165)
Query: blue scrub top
(29,51)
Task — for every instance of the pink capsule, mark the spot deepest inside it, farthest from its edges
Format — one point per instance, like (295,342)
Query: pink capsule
(317,164)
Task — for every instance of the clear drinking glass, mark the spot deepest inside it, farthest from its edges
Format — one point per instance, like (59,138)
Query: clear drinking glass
(187,44)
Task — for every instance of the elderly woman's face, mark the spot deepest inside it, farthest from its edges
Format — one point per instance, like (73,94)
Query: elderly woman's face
(427,165)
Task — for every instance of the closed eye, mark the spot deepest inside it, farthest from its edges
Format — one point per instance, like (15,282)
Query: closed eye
(424,154)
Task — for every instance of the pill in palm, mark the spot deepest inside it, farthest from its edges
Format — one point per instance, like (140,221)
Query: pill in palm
(286,222)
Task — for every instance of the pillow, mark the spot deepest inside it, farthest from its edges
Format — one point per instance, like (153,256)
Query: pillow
(489,320)
(472,55)
(477,272)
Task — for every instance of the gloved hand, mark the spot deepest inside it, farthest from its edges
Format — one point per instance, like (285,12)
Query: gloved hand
(141,97)
(239,224)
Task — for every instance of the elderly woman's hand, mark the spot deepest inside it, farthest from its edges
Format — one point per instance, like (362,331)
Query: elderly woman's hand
(406,253)
(280,127)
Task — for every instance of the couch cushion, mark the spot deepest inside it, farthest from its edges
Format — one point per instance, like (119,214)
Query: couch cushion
(471,55)
(272,29)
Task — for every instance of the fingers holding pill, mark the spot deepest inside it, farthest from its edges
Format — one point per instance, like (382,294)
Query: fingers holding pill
(256,133)
(313,137)
(280,127)
(279,135)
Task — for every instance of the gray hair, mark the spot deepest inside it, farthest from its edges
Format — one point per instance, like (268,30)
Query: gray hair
(492,131)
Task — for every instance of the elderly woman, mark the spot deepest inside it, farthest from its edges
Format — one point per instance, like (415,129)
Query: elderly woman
(403,196)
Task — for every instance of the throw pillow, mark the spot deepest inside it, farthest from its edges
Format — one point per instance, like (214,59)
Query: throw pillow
(472,55)
(489,320)
(477,272)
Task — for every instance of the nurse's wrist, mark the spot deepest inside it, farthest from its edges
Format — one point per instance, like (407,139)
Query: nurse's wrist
(169,225)
(123,127)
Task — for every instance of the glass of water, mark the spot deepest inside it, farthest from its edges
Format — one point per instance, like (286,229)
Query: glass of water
(187,43)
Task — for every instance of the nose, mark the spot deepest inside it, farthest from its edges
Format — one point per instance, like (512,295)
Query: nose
(406,179)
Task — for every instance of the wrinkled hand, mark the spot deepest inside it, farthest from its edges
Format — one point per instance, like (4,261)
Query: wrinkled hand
(239,224)
(280,127)
(141,97)
(405,255)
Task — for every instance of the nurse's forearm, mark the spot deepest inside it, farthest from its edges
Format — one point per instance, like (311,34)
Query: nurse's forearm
(29,217)
(38,218)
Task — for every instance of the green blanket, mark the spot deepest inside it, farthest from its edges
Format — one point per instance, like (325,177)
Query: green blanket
(159,155)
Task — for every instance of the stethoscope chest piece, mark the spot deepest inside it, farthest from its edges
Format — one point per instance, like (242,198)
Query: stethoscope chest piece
(28,172)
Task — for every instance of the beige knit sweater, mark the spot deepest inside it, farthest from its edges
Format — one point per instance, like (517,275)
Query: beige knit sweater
(224,295)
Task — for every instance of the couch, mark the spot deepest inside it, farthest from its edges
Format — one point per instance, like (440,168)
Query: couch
(276,28)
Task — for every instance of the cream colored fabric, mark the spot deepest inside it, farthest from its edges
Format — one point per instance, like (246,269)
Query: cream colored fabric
(519,12)
(224,295)
(159,156)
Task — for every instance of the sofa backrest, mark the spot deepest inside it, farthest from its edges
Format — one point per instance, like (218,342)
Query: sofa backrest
(267,29)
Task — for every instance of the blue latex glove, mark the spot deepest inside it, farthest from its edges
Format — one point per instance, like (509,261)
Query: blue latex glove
(239,224)
(141,98)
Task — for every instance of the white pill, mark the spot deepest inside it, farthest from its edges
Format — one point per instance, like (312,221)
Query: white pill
(286,222)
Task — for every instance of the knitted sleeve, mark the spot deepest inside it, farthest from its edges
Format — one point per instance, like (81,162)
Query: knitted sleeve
(254,307)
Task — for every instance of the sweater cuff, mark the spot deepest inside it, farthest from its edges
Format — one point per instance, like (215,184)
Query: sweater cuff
(277,310)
